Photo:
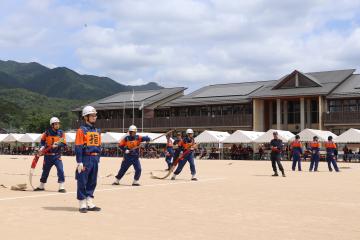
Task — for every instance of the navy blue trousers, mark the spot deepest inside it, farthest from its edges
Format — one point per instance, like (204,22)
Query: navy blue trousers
(49,162)
(189,158)
(126,163)
(87,179)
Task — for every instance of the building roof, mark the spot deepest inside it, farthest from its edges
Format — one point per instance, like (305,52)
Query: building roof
(150,98)
(348,89)
(218,94)
(327,81)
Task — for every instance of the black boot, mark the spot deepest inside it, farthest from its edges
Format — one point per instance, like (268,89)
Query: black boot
(275,174)
(83,210)
(94,209)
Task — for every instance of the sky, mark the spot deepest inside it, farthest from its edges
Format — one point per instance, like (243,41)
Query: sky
(189,43)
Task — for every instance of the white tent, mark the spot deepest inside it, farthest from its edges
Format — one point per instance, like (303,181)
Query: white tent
(2,136)
(30,138)
(350,136)
(111,137)
(70,137)
(12,137)
(307,135)
(211,137)
(285,136)
(241,136)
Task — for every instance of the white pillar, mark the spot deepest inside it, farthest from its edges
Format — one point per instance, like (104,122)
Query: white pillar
(308,110)
(258,115)
(302,113)
(321,113)
(278,114)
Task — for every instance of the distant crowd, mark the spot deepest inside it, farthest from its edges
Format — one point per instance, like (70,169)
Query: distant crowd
(235,152)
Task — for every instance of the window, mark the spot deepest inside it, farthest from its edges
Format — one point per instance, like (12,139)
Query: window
(205,111)
(274,112)
(350,105)
(335,106)
(293,112)
(194,111)
(175,112)
(162,113)
(227,110)
(314,111)
(183,112)
(242,109)
(216,111)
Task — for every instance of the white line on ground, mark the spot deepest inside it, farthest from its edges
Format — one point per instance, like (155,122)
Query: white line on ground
(114,189)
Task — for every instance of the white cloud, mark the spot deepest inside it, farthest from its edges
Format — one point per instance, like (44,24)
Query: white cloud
(187,42)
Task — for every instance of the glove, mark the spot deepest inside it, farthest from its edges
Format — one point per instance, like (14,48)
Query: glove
(127,151)
(80,167)
(42,149)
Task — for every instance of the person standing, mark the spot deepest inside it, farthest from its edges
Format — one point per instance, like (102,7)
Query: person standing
(315,154)
(87,150)
(331,149)
(52,140)
(276,146)
(296,151)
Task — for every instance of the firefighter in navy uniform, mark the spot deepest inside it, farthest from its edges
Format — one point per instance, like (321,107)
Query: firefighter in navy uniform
(187,145)
(330,154)
(169,154)
(53,138)
(315,154)
(276,146)
(87,149)
(130,145)
(296,151)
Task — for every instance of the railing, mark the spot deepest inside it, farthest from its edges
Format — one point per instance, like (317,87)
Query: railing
(177,122)
(341,117)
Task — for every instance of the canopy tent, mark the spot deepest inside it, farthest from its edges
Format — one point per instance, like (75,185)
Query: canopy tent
(211,137)
(350,136)
(12,138)
(285,136)
(307,135)
(70,137)
(2,136)
(30,138)
(111,137)
(241,136)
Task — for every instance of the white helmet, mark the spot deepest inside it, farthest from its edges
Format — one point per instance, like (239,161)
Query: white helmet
(188,131)
(54,120)
(88,110)
(132,128)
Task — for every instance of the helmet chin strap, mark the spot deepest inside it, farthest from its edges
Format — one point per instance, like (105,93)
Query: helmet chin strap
(87,120)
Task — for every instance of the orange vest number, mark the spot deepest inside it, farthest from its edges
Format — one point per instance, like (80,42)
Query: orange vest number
(132,144)
(50,140)
(92,139)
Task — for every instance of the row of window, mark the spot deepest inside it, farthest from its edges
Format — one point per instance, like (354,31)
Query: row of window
(348,105)
(293,112)
(222,110)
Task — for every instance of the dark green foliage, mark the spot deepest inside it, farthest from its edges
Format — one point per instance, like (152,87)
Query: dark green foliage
(61,82)
(30,94)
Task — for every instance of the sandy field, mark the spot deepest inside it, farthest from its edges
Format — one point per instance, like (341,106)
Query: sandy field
(231,200)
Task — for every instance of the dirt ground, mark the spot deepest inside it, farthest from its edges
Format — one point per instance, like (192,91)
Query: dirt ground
(231,200)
